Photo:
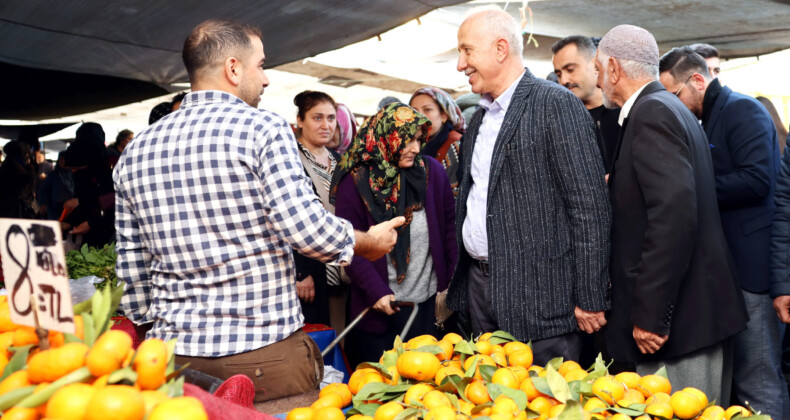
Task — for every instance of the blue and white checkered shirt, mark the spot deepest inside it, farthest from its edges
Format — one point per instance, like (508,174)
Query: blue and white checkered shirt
(209,202)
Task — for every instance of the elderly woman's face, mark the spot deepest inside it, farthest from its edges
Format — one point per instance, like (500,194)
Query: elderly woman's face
(335,142)
(410,151)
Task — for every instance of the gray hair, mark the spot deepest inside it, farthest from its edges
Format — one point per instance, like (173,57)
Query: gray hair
(502,25)
(636,70)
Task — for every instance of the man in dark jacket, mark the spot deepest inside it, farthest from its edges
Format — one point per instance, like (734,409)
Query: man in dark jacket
(574,65)
(532,220)
(745,157)
(675,300)
(780,256)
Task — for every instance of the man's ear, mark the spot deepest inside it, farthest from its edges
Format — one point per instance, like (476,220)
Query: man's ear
(614,69)
(502,49)
(233,70)
(699,82)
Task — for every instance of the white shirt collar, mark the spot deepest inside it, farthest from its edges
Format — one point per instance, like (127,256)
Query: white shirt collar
(626,109)
(504,99)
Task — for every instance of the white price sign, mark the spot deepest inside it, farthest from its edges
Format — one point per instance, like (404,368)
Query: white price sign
(35,274)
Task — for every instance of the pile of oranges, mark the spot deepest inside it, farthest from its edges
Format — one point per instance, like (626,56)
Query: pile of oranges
(493,378)
(82,378)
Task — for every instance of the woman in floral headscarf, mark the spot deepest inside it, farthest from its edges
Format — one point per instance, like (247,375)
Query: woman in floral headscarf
(447,126)
(385,176)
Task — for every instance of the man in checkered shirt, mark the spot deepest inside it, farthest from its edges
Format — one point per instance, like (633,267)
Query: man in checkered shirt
(210,201)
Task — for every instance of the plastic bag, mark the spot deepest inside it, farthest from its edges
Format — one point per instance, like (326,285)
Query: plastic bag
(83,288)
(331,376)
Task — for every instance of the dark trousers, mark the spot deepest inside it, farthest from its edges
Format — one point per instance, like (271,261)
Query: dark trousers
(289,367)
(567,346)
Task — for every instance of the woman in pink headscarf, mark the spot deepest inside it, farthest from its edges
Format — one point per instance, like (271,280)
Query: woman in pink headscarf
(345,131)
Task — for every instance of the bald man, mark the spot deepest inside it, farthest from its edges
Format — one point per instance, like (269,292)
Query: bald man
(532,214)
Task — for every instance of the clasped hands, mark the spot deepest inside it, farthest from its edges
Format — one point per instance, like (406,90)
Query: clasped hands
(647,342)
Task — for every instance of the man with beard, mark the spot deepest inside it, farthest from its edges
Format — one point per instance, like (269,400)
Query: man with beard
(574,65)
(211,200)
(675,300)
(745,156)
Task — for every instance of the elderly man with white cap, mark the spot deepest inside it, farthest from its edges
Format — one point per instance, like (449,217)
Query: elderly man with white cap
(675,300)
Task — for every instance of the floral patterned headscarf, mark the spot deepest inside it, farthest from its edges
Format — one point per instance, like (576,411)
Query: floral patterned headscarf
(388,190)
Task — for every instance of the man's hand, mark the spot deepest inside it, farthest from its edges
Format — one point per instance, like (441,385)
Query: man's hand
(647,341)
(82,228)
(379,239)
(782,306)
(383,305)
(589,322)
(305,289)
(71,204)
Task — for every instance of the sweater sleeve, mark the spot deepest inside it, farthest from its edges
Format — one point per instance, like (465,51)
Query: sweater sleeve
(363,274)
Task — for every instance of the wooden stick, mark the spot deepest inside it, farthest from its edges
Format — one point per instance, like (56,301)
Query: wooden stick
(43,335)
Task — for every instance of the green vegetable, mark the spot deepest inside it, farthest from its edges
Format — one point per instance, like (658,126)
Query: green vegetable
(90,261)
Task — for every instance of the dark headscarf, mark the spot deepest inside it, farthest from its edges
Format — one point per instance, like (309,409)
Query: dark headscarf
(388,190)
(160,110)
(88,148)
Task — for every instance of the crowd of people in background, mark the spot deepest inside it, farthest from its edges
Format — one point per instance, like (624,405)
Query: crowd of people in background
(76,190)
(632,205)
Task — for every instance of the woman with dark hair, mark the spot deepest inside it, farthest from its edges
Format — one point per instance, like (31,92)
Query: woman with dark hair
(382,176)
(781,131)
(114,150)
(315,127)
(447,126)
(18,177)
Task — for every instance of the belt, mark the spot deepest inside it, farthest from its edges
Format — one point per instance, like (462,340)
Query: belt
(484,266)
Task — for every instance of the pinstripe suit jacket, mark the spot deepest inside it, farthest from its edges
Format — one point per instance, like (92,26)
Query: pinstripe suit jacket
(548,215)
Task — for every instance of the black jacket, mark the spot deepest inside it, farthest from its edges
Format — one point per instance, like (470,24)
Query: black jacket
(745,157)
(607,132)
(671,270)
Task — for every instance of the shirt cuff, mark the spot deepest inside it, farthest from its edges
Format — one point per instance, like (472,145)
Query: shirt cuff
(347,250)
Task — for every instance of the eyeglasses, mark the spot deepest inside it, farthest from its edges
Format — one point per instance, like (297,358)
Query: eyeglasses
(684,85)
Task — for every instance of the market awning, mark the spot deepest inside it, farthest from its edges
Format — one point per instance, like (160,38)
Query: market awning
(13,132)
(48,46)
